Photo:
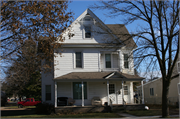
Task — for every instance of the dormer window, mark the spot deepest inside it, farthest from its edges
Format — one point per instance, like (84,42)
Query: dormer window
(87,31)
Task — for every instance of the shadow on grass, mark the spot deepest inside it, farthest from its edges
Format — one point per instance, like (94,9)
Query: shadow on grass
(27,111)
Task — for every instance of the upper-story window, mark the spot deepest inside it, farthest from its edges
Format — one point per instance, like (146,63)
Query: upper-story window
(78,56)
(87,31)
(108,60)
(126,62)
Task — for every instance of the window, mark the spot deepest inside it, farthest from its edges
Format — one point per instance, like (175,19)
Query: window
(48,92)
(125,90)
(77,90)
(151,91)
(87,31)
(78,59)
(111,88)
(126,63)
(108,60)
(31,100)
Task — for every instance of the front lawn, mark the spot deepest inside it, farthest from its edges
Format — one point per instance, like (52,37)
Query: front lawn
(83,115)
(154,110)
(151,112)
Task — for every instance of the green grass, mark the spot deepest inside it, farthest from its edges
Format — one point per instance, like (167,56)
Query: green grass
(152,112)
(84,115)
(145,112)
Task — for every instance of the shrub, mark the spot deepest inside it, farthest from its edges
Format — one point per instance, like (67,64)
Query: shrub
(45,108)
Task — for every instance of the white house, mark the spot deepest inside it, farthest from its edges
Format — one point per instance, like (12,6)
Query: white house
(91,64)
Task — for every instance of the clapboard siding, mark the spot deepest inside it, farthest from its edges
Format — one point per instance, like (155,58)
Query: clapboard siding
(98,89)
(79,32)
(64,89)
(64,62)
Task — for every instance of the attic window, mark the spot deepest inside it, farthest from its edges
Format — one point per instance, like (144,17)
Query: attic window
(87,19)
(87,31)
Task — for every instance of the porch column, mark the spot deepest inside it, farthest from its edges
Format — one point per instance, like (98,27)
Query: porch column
(142,92)
(99,61)
(123,92)
(82,94)
(108,92)
(55,94)
(120,65)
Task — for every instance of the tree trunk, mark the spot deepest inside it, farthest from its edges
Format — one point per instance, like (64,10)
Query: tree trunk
(165,103)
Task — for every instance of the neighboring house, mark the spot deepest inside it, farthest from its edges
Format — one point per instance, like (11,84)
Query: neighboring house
(153,90)
(89,64)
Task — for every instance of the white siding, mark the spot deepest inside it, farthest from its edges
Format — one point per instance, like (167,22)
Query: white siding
(64,89)
(115,60)
(98,89)
(98,35)
(64,63)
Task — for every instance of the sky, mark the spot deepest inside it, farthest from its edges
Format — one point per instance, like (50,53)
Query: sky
(78,7)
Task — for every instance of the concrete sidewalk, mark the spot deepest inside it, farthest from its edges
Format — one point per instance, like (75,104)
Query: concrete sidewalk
(129,116)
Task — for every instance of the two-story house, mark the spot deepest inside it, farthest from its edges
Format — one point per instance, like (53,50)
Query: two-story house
(91,64)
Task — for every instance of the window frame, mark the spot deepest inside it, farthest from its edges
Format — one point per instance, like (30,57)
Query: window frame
(87,30)
(80,93)
(48,94)
(111,88)
(110,60)
(151,91)
(126,90)
(126,66)
(82,60)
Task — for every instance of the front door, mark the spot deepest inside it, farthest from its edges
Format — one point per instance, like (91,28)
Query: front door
(112,94)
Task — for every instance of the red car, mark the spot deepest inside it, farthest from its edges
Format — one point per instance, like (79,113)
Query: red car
(28,102)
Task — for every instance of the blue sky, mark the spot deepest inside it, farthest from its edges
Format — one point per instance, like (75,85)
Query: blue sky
(78,7)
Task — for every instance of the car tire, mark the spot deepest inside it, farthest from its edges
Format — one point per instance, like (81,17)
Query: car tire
(20,106)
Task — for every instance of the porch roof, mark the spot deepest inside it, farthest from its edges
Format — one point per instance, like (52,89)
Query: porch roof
(98,76)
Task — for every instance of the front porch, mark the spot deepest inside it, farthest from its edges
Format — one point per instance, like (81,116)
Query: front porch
(112,88)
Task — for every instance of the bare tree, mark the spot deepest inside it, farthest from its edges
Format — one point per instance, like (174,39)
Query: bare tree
(157,37)
(24,20)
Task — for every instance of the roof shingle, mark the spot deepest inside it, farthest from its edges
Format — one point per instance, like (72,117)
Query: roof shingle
(122,33)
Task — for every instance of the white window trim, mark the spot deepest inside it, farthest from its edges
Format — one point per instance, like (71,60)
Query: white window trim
(105,60)
(124,61)
(87,90)
(74,59)
(83,33)
(114,87)
(128,91)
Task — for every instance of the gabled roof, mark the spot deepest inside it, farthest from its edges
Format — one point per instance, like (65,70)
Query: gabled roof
(116,76)
(122,33)
(118,31)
